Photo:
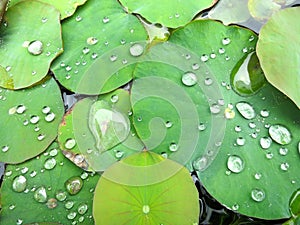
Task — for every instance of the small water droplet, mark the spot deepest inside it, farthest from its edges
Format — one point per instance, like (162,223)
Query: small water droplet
(146,209)
(68,68)
(213,55)
(78,159)
(70,143)
(200,163)
(34,119)
(136,49)
(105,19)
(19,221)
(8,68)
(82,208)
(44,19)
(235,164)
(19,183)
(40,195)
(208,81)
(264,113)
(240,141)
(168,124)
(84,175)
(187,56)
(215,108)
(78,18)
(229,113)
(74,185)
(11,207)
(51,203)
(284,166)
(35,47)
(25,122)
(33,174)
(94,56)
(114,98)
(258,195)
(24,170)
(265,142)
(50,117)
(189,79)
(164,154)
(257,176)
(252,125)
(195,66)
(251,38)
(62,64)
(91,40)
(280,134)
(41,137)
(5,148)
(50,163)
(113,58)
(235,207)
(8,173)
(238,128)
(85,50)
(204,58)
(69,204)
(283,151)
(246,110)
(201,127)
(226,41)
(71,215)
(221,50)
(269,155)
(61,195)
(173,147)
(81,219)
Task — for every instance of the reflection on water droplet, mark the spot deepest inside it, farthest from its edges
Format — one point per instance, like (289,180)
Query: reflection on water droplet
(74,185)
(283,151)
(50,117)
(168,124)
(284,166)
(265,142)
(208,81)
(91,40)
(35,47)
(235,164)
(238,128)
(19,183)
(280,134)
(40,195)
(41,137)
(61,195)
(195,66)
(221,50)
(70,143)
(246,110)
(269,155)
(214,108)
(85,50)
(257,176)
(34,119)
(5,148)
(136,50)
(82,208)
(71,215)
(226,41)
(258,195)
(50,163)
(20,109)
(146,209)
(113,58)
(264,113)
(105,19)
(114,98)
(204,58)
(235,207)
(51,203)
(78,18)
(173,147)
(240,141)
(69,204)
(189,79)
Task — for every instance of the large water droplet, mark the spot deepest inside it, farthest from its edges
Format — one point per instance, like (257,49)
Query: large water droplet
(280,134)
(189,79)
(61,195)
(74,185)
(136,49)
(235,164)
(258,195)
(265,142)
(50,163)
(246,110)
(35,47)
(82,208)
(19,183)
(40,195)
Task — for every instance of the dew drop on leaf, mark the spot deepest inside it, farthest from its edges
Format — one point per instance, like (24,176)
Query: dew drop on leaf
(91,40)
(240,141)
(235,164)
(246,110)
(51,203)
(40,195)
(283,151)
(74,185)
(168,124)
(280,134)
(105,19)
(173,147)
(264,113)
(19,183)
(20,109)
(189,79)
(69,204)
(265,142)
(35,47)
(146,209)
(71,215)
(50,163)
(5,148)
(82,208)
(226,41)
(70,143)
(46,109)
(258,195)
(50,117)
(136,49)
(284,166)
(214,108)
(201,127)
(61,195)
(34,119)
(114,98)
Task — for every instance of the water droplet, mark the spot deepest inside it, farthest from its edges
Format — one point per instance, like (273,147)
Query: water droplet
(50,117)
(78,18)
(252,125)
(189,79)
(69,204)
(265,142)
(254,135)
(19,183)
(264,113)
(12,110)
(51,203)
(200,163)
(44,19)
(84,175)
(53,152)
(251,38)
(61,195)
(40,195)
(246,110)
(19,222)
(11,207)
(213,55)
(78,159)
(235,207)
(82,208)
(229,113)
(240,141)
(269,155)
(195,66)
(226,41)
(235,164)
(164,154)
(8,68)
(208,81)
(8,173)
(81,219)
(168,124)
(215,108)
(91,40)
(62,64)
(136,49)
(85,50)
(33,174)
(146,209)
(68,68)
(94,56)
(173,147)
(284,166)
(238,128)
(35,47)
(74,185)
(258,195)
(105,19)
(24,170)
(50,163)
(70,143)
(71,215)
(283,151)
(257,176)
(204,58)
(5,148)
(41,137)
(201,126)
(280,134)
(34,119)
(221,50)
(113,58)
(114,98)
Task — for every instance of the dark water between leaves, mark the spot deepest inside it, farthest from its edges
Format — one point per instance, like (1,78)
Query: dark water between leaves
(211,211)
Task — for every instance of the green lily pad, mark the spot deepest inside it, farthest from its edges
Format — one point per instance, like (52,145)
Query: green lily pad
(28,43)
(258,161)
(31,118)
(37,190)
(162,202)
(66,7)
(102,18)
(78,140)
(170,14)
(278,55)
(263,10)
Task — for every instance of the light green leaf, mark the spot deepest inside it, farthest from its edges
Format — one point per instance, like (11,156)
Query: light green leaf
(30,40)
(277,53)
(30,120)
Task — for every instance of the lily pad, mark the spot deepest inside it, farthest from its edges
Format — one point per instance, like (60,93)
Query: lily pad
(31,118)
(28,43)
(43,195)
(256,166)
(170,14)
(102,18)
(278,55)
(66,7)
(78,140)
(162,202)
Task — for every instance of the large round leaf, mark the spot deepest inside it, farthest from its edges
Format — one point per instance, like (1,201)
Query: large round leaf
(66,7)
(30,119)
(99,21)
(170,200)
(256,168)
(39,190)
(168,13)
(277,53)
(30,40)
